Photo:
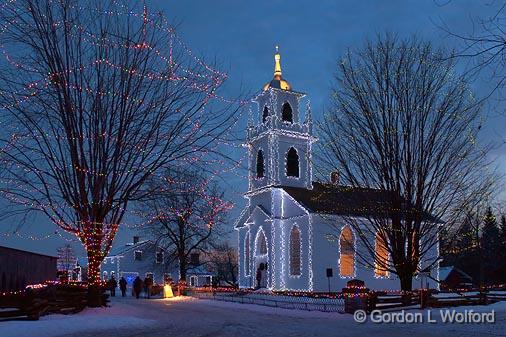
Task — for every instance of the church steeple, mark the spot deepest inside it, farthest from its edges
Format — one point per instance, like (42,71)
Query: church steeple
(278,82)
(277,64)
(280,141)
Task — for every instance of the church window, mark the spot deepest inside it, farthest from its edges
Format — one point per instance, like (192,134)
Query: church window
(347,253)
(260,164)
(246,255)
(292,163)
(287,114)
(295,251)
(381,257)
(261,243)
(265,114)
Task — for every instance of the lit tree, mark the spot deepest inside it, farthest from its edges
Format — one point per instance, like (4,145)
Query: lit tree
(403,123)
(185,214)
(95,97)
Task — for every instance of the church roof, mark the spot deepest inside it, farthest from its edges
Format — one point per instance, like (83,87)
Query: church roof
(340,200)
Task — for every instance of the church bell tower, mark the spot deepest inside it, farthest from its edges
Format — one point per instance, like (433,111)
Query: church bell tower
(279,142)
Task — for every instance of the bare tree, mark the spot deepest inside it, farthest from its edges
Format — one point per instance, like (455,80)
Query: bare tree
(185,215)
(95,97)
(485,46)
(403,124)
(224,263)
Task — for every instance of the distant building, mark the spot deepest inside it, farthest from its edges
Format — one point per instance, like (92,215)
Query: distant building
(454,278)
(19,268)
(139,258)
(146,259)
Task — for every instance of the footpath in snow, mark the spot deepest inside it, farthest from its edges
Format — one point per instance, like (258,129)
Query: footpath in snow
(193,317)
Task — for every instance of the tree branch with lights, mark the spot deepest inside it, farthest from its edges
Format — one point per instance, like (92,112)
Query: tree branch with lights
(404,124)
(96,97)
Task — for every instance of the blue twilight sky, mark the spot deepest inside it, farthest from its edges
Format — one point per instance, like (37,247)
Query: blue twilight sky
(241,36)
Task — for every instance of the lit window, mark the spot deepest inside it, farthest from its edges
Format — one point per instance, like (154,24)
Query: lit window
(260,164)
(287,115)
(138,255)
(295,251)
(261,243)
(292,163)
(381,257)
(347,253)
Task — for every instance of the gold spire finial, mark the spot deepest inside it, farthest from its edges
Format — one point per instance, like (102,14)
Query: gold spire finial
(277,64)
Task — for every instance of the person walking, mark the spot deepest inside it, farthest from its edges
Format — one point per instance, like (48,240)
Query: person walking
(137,286)
(122,286)
(112,286)
(148,282)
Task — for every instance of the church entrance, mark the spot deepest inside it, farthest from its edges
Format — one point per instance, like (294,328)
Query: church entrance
(261,275)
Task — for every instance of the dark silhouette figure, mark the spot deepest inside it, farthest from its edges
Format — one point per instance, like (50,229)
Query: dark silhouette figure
(112,286)
(148,282)
(137,286)
(122,286)
(259,274)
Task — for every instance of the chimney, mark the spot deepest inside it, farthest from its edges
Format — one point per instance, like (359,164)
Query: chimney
(334,178)
(136,240)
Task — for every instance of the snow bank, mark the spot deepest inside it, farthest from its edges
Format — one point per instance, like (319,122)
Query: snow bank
(89,320)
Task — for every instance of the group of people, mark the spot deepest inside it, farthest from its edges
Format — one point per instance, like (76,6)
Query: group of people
(138,286)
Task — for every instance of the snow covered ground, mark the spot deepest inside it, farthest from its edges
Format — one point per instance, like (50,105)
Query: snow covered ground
(193,317)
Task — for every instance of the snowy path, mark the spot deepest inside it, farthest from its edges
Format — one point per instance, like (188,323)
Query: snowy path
(192,317)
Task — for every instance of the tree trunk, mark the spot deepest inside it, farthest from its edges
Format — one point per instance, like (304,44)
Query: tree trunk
(94,281)
(182,269)
(406,281)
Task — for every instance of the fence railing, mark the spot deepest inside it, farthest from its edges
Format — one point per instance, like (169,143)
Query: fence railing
(285,302)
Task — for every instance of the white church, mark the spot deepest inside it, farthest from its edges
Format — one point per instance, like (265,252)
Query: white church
(283,231)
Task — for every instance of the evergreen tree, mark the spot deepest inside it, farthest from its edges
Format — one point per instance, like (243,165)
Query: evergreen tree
(491,247)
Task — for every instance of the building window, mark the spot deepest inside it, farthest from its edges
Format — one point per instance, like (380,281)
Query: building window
(295,251)
(150,275)
(246,255)
(265,114)
(138,255)
(105,275)
(292,163)
(347,253)
(287,115)
(159,257)
(260,164)
(193,281)
(380,257)
(261,243)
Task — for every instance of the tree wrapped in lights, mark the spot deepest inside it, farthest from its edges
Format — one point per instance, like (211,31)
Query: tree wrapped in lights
(185,215)
(95,97)
(404,124)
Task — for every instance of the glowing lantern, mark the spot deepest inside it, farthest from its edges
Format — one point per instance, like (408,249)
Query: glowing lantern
(167,291)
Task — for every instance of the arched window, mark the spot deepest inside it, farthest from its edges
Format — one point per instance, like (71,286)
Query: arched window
(265,114)
(295,251)
(261,243)
(286,114)
(381,257)
(347,253)
(246,255)
(292,163)
(260,164)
